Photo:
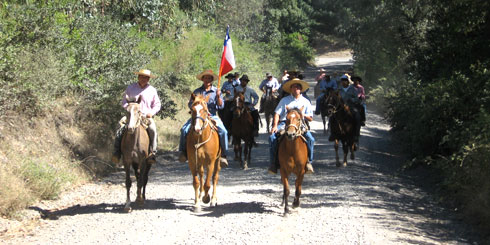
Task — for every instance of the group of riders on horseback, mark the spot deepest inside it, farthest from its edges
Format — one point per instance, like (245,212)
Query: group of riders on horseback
(289,93)
(216,112)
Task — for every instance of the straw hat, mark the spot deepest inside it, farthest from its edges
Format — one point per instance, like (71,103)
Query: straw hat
(287,86)
(207,72)
(145,72)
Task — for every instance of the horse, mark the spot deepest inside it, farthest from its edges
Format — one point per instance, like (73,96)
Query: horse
(203,151)
(135,149)
(342,125)
(242,129)
(270,103)
(324,109)
(292,155)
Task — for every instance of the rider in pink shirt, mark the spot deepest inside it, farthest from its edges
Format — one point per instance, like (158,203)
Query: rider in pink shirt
(150,105)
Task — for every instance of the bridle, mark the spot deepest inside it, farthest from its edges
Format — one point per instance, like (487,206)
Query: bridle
(138,116)
(298,127)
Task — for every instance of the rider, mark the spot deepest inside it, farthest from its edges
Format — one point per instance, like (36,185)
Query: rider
(325,84)
(350,97)
(150,105)
(227,90)
(215,102)
(251,99)
(295,100)
(271,82)
(362,97)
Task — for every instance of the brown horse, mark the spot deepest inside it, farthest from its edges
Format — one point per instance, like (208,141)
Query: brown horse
(292,155)
(270,103)
(134,148)
(203,151)
(342,125)
(242,129)
(324,109)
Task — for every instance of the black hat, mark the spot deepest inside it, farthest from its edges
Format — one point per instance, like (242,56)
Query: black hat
(356,78)
(244,78)
(229,75)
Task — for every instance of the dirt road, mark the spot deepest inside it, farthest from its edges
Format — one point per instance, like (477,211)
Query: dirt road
(363,203)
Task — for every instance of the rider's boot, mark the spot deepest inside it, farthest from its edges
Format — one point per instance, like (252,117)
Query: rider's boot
(182,156)
(223,162)
(309,168)
(116,156)
(151,157)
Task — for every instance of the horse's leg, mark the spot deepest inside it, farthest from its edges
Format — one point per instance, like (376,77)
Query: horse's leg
(201,181)
(240,152)
(352,150)
(336,146)
(299,182)
(207,185)
(285,196)
(195,184)
(235,148)
(140,182)
(217,168)
(136,171)
(127,169)
(345,148)
(267,121)
(324,124)
(248,153)
(148,166)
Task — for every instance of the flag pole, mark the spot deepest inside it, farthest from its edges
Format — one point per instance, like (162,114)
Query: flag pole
(223,57)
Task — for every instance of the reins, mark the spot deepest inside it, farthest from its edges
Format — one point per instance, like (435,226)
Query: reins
(199,144)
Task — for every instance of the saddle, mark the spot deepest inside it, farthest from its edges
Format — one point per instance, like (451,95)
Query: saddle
(145,122)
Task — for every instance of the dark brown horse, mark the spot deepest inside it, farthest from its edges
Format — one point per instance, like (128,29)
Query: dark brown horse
(134,148)
(292,155)
(270,103)
(342,125)
(324,109)
(203,152)
(242,129)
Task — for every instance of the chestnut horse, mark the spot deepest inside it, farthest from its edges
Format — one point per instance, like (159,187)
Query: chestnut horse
(134,148)
(293,154)
(203,151)
(342,125)
(270,103)
(242,129)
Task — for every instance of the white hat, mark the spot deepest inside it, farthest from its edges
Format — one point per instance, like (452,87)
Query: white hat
(208,73)
(287,86)
(145,72)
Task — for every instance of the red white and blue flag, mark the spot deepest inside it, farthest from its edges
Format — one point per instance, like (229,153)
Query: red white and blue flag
(227,58)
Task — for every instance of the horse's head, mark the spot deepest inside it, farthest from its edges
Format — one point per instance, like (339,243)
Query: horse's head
(238,104)
(294,121)
(333,102)
(199,111)
(269,95)
(134,113)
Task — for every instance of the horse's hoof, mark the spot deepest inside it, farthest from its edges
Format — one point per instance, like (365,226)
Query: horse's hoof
(344,164)
(213,204)
(197,209)
(245,166)
(206,199)
(127,209)
(296,203)
(337,164)
(140,202)
(351,157)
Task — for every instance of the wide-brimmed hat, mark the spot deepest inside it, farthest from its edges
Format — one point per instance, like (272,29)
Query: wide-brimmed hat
(322,70)
(145,72)
(287,86)
(356,78)
(207,73)
(244,78)
(229,75)
(268,74)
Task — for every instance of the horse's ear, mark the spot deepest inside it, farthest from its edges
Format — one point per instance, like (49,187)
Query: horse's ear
(139,99)
(301,109)
(207,98)
(287,108)
(193,96)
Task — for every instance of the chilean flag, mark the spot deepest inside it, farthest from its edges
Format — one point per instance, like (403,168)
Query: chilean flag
(227,59)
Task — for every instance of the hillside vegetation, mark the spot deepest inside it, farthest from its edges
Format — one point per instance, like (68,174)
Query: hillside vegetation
(65,63)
